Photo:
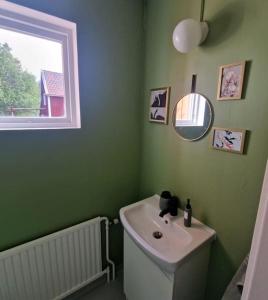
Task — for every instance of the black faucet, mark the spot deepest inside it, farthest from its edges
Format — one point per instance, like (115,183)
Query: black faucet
(172,207)
(163,212)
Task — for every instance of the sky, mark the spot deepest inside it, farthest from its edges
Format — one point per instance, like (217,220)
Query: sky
(34,53)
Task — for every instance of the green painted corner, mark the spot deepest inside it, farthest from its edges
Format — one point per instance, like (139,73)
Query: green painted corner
(224,187)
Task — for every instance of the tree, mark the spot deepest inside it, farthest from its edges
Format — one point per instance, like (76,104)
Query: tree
(18,88)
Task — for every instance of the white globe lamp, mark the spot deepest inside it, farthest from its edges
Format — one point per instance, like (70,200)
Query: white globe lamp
(189,34)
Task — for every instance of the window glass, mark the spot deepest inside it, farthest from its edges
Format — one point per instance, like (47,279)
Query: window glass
(31,76)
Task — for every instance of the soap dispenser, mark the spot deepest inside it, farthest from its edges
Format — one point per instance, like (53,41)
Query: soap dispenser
(164,200)
(188,214)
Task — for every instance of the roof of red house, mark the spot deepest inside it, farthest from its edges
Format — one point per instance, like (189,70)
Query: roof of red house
(53,83)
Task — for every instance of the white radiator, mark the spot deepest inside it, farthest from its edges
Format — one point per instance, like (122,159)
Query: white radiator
(56,265)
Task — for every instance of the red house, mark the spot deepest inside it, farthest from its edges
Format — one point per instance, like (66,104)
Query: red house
(52,94)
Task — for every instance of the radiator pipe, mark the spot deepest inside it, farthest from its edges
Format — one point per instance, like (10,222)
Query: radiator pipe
(106,220)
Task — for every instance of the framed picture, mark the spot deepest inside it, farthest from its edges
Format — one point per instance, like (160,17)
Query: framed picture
(231,78)
(159,103)
(231,140)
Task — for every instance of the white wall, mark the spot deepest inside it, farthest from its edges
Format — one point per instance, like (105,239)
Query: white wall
(256,284)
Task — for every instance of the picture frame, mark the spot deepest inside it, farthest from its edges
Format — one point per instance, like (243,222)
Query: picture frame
(159,105)
(231,80)
(228,139)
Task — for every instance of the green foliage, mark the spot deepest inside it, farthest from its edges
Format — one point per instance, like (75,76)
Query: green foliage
(18,88)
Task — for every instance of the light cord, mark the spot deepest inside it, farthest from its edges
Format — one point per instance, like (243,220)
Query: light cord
(202,10)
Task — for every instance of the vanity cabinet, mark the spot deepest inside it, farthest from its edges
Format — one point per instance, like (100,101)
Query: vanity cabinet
(145,280)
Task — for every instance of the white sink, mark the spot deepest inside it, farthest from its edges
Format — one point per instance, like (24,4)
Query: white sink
(141,220)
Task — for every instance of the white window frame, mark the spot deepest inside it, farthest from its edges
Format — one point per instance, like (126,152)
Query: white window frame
(35,23)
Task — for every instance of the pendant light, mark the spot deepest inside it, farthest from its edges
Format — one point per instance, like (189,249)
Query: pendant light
(190,33)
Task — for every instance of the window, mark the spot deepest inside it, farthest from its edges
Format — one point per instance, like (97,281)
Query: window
(191,113)
(39,86)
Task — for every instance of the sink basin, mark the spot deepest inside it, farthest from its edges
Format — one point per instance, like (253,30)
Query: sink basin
(165,240)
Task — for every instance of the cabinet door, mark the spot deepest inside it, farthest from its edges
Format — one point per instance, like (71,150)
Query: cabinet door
(143,279)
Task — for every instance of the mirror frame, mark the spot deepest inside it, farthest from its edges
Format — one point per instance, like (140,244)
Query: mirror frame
(210,122)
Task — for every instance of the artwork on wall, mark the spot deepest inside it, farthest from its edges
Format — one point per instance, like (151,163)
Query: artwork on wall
(231,140)
(159,103)
(230,83)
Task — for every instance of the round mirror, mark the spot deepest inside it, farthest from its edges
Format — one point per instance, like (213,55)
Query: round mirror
(192,117)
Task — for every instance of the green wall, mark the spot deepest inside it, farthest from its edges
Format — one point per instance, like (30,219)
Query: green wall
(53,179)
(224,187)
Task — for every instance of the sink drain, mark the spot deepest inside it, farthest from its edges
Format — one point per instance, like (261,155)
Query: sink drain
(157,235)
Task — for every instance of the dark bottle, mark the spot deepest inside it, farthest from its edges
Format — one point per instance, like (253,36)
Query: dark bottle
(188,214)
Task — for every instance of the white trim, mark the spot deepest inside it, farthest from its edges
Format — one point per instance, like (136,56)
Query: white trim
(22,10)
(43,79)
(49,106)
(256,287)
(44,99)
(63,32)
(76,77)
